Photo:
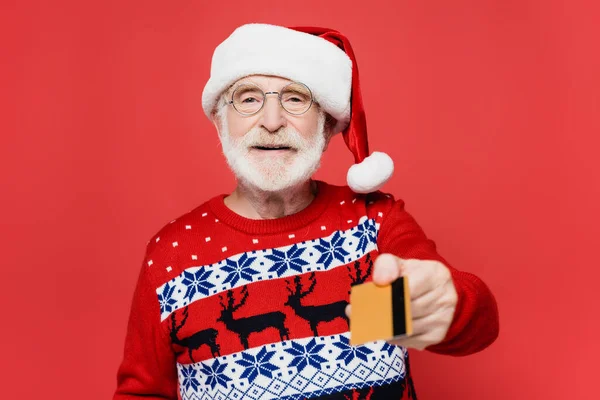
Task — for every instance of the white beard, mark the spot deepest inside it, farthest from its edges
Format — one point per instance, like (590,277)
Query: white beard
(273,174)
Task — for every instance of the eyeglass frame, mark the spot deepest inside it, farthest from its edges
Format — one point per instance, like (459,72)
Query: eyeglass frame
(312,99)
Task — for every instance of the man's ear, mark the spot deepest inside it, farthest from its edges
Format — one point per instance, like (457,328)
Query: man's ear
(330,123)
(214,117)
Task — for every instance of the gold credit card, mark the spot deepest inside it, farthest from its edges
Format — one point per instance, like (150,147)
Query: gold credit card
(380,313)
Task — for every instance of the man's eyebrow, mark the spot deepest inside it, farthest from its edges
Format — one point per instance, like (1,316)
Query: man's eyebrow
(235,85)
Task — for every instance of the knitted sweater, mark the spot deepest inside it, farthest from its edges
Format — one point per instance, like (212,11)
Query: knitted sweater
(232,308)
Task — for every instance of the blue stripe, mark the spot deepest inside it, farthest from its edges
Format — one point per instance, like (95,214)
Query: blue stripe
(335,250)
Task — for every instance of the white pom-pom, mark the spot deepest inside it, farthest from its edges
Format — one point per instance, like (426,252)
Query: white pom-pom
(371,174)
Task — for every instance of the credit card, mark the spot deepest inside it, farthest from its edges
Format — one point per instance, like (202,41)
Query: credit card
(380,313)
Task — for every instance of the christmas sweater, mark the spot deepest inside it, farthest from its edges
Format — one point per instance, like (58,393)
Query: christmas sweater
(227,307)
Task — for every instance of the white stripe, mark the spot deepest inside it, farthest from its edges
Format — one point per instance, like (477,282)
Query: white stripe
(216,278)
(284,371)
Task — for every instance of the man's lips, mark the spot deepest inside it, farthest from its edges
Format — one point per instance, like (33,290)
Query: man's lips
(272,148)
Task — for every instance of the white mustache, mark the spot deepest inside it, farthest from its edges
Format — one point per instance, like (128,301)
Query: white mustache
(278,173)
(285,137)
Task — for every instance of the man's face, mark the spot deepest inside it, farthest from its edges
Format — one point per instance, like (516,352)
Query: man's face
(271,150)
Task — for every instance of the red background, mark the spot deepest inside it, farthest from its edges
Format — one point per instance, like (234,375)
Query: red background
(489,108)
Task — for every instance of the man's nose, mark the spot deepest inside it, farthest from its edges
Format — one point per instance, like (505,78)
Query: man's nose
(272,118)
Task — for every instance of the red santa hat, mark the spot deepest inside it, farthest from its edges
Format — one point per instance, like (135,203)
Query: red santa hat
(320,58)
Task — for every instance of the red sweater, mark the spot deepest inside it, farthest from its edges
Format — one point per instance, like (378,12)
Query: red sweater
(227,307)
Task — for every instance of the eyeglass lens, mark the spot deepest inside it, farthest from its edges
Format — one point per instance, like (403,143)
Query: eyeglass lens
(295,98)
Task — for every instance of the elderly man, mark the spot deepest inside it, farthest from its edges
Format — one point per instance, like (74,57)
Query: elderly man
(246,296)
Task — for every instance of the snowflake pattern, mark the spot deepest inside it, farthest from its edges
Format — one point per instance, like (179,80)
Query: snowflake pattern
(197,282)
(258,364)
(320,254)
(215,374)
(166,300)
(388,348)
(332,249)
(366,233)
(350,352)
(239,269)
(328,363)
(305,355)
(189,378)
(284,260)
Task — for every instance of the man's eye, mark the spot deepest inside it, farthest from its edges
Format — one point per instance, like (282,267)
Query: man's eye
(295,97)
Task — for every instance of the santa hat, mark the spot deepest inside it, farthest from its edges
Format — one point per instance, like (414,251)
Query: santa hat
(320,58)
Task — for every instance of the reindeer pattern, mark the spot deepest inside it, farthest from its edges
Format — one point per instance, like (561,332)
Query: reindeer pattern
(205,336)
(296,308)
(243,327)
(316,314)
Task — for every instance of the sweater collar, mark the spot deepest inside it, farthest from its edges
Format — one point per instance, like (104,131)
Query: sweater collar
(270,226)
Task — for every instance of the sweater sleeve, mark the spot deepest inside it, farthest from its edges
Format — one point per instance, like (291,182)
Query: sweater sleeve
(148,368)
(475,323)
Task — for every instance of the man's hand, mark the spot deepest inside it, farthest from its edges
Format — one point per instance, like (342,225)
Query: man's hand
(432,293)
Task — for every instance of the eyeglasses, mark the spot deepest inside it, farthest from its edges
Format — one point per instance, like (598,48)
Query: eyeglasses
(295,98)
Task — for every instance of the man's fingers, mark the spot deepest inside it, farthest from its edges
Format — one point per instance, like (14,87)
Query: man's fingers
(424,276)
(418,342)
(432,322)
(387,268)
(426,331)
(426,304)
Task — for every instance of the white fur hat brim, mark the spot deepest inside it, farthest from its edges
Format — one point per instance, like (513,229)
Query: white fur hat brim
(262,49)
